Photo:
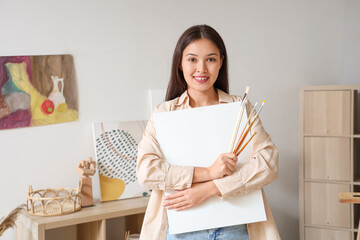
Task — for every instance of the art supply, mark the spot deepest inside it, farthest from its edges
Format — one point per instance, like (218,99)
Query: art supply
(242,138)
(238,121)
(173,130)
(116,145)
(247,122)
(238,153)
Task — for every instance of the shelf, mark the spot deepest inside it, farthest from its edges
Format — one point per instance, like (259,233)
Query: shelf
(327,181)
(357,112)
(328,227)
(90,223)
(356,159)
(329,161)
(356,210)
(328,135)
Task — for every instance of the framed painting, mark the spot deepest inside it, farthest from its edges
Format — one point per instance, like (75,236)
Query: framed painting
(116,152)
(37,90)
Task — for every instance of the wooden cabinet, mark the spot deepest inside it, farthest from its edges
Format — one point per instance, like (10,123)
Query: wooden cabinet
(327,112)
(322,154)
(322,206)
(329,161)
(326,234)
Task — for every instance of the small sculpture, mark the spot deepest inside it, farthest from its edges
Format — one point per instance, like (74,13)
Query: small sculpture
(85,170)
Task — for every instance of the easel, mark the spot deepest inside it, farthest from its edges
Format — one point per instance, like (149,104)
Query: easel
(350,197)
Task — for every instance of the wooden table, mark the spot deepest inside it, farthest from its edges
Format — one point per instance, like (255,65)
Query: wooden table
(350,197)
(89,223)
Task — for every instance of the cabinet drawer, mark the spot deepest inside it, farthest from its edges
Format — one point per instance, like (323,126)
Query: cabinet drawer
(327,112)
(327,158)
(326,234)
(322,206)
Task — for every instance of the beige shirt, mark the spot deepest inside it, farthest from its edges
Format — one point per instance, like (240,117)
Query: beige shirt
(250,175)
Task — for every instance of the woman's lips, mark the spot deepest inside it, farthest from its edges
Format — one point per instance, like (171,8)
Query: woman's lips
(201,79)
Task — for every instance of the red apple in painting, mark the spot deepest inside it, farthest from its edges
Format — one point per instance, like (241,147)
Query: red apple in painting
(47,106)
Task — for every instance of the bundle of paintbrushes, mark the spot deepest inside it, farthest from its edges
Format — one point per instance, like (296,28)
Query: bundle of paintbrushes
(240,142)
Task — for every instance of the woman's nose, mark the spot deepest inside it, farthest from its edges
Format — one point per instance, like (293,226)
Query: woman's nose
(201,67)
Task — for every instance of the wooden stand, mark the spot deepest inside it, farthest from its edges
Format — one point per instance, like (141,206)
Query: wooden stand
(92,223)
(349,197)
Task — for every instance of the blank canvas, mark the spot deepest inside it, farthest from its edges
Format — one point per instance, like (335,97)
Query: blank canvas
(196,137)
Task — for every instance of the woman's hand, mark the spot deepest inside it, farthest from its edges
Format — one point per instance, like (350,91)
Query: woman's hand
(191,197)
(223,166)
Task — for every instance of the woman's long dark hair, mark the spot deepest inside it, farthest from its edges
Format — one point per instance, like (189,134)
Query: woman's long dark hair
(177,84)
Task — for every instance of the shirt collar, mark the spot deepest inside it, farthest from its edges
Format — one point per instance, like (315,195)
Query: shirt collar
(223,98)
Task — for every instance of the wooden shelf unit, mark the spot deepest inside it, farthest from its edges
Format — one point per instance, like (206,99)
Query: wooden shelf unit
(108,220)
(329,161)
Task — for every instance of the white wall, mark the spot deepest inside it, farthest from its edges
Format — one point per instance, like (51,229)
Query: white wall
(351,62)
(123,48)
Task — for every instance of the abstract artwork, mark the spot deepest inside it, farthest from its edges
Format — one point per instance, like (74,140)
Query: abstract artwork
(37,90)
(116,152)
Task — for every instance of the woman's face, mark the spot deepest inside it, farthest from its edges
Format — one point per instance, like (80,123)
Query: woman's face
(200,63)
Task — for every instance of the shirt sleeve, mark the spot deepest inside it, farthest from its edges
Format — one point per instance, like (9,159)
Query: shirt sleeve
(256,172)
(155,173)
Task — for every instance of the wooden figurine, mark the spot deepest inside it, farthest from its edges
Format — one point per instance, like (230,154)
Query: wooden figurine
(85,170)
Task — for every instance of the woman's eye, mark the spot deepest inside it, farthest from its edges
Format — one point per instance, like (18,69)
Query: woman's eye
(211,59)
(191,59)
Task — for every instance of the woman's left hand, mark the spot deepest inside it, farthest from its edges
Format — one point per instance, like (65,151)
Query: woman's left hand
(190,197)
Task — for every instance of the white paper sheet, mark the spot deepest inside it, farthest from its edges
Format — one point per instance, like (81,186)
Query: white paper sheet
(196,137)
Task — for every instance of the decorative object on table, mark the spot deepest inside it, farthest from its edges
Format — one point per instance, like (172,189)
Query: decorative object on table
(86,168)
(116,152)
(9,221)
(53,201)
(37,90)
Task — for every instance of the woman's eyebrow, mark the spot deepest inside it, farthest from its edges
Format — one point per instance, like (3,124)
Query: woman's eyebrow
(210,54)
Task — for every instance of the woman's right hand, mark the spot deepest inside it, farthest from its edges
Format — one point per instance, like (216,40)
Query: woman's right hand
(223,166)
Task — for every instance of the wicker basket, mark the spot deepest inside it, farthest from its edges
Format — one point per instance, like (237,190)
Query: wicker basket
(53,202)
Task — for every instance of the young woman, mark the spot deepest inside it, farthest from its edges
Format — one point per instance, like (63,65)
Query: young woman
(199,77)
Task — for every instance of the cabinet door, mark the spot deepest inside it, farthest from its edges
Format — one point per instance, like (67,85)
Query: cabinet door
(322,206)
(326,234)
(327,158)
(327,112)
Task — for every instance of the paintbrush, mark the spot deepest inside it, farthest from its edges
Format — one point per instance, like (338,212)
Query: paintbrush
(238,121)
(238,153)
(242,138)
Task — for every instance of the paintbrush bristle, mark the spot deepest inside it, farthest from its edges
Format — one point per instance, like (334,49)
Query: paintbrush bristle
(247,89)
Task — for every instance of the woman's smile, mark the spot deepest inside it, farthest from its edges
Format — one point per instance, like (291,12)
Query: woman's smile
(201,79)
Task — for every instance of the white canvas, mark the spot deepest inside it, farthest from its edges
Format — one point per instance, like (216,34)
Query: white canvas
(196,137)
(116,152)
(156,96)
